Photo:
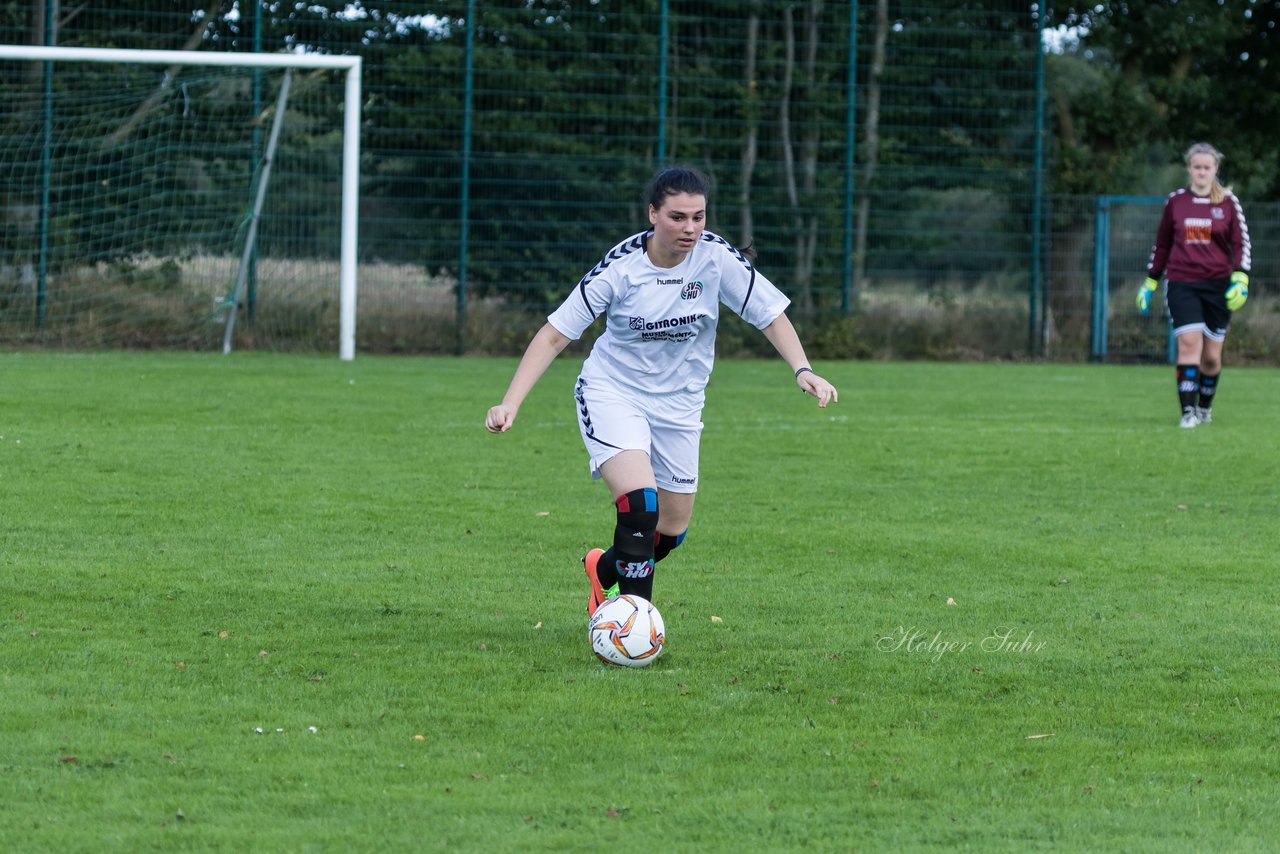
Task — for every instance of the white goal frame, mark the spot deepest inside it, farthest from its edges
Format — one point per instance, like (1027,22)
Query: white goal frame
(351,65)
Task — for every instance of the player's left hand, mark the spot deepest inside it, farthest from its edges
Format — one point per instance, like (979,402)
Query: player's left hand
(825,392)
(1145,291)
(1239,290)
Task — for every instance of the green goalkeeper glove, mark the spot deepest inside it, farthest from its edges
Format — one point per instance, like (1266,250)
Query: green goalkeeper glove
(1148,288)
(1239,290)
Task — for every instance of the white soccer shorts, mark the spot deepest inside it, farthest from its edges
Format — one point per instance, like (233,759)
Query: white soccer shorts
(667,427)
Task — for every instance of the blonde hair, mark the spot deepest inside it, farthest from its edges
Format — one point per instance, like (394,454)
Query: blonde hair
(1217,192)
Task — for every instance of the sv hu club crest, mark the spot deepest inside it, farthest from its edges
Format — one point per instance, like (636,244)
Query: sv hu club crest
(693,290)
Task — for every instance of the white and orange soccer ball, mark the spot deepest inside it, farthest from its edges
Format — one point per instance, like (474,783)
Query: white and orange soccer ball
(627,631)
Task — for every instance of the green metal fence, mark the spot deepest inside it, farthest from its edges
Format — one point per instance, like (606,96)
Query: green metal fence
(886,161)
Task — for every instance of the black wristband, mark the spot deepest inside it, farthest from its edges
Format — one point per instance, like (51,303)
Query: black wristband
(802,370)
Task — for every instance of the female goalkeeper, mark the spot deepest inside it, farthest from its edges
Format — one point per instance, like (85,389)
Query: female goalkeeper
(640,393)
(1202,249)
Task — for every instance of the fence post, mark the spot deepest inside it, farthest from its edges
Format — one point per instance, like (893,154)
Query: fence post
(663,36)
(464,213)
(850,144)
(42,264)
(1101,264)
(1037,309)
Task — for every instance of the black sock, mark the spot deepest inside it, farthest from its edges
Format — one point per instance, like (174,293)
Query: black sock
(1208,388)
(607,568)
(1188,386)
(642,587)
(629,562)
(663,545)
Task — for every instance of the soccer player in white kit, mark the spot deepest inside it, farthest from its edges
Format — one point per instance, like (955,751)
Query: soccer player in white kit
(641,390)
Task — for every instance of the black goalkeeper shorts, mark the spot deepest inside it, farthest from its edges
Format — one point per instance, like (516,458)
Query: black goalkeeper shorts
(1199,307)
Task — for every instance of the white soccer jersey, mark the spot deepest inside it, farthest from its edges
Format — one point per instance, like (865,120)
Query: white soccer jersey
(660,331)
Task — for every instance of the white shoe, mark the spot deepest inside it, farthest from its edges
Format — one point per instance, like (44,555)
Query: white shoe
(1203,415)
(1189,419)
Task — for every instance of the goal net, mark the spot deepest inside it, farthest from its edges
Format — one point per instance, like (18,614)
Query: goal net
(135,209)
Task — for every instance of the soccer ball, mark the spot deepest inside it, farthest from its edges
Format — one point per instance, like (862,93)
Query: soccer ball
(627,631)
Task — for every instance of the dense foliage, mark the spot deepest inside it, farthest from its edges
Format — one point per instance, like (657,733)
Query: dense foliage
(1145,79)
(510,150)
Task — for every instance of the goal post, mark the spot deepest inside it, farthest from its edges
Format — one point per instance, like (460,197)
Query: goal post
(1124,228)
(348,66)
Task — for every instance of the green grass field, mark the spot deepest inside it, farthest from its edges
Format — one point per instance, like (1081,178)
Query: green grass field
(286,603)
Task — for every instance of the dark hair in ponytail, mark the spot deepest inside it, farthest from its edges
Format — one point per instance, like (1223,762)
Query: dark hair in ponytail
(674,180)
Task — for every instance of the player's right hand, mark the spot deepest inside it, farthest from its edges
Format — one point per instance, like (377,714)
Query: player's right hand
(1148,288)
(499,419)
(811,383)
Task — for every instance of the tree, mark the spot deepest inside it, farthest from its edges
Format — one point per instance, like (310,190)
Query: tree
(952,144)
(871,145)
(1146,79)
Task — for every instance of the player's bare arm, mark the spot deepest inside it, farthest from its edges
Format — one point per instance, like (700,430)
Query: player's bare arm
(782,335)
(548,343)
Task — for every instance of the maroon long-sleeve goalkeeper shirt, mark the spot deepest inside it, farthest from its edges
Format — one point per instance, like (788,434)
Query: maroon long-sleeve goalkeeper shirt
(1198,241)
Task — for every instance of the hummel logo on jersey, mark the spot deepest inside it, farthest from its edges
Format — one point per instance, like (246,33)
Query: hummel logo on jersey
(679,281)
(693,290)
